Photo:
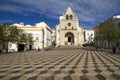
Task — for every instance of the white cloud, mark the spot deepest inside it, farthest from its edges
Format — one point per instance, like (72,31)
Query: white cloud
(87,10)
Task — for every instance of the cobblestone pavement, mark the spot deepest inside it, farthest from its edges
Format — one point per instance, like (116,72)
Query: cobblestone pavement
(71,64)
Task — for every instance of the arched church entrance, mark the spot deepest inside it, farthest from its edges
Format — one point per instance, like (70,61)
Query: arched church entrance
(69,38)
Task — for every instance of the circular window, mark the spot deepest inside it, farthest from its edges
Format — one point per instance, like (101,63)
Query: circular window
(69,24)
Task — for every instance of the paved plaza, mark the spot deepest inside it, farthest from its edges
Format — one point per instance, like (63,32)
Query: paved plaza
(60,64)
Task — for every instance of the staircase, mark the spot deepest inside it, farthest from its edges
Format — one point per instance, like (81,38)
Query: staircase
(67,47)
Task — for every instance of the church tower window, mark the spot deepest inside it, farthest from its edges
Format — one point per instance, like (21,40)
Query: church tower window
(69,24)
(67,17)
(71,17)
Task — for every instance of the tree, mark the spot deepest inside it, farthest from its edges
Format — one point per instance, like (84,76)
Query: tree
(9,33)
(107,31)
(100,34)
(25,38)
(4,37)
(1,37)
(29,39)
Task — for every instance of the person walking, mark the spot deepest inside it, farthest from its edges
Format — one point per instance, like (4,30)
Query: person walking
(114,48)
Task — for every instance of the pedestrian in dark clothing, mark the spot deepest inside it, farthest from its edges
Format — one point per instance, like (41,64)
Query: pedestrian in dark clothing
(96,47)
(114,49)
(38,49)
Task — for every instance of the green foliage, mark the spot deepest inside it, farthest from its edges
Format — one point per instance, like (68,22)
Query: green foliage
(29,39)
(10,33)
(4,32)
(107,31)
(1,33)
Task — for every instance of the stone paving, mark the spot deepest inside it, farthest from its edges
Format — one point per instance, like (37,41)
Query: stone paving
(71,64)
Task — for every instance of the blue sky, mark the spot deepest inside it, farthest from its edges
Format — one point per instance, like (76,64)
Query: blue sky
(89,12)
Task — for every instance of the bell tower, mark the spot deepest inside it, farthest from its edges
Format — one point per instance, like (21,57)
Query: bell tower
(69,20)
(68,30)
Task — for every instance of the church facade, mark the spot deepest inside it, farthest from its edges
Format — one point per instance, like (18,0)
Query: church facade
(68,31)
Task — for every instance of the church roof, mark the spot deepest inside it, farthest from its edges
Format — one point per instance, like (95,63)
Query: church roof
(69,11)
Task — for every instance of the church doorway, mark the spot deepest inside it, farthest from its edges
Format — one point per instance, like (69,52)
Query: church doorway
(69,38)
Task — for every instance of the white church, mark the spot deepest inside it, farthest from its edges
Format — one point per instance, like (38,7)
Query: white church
(68,31)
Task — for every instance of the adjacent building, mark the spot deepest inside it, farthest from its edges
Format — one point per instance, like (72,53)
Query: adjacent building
(41,33)
(53,36)
(89,36)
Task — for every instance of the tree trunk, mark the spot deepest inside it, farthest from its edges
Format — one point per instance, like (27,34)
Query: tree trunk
(6,47)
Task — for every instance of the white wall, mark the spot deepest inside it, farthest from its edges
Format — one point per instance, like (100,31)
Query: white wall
(88,34)
(47,34)
(57,35)
(37,33)
(48,39)
(37,38)
(12,47)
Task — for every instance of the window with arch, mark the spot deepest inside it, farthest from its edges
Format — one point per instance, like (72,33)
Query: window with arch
(67,17)
(71,17)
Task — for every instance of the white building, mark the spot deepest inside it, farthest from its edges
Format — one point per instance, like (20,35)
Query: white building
(41,33)
(89,36)
(45,36)
(68,31)
(53,35)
